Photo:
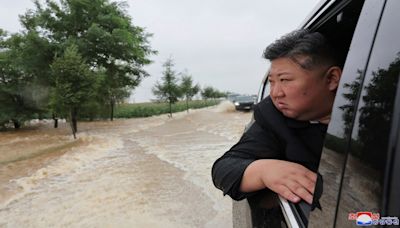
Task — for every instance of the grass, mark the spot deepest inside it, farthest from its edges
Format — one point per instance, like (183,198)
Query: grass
(151,108)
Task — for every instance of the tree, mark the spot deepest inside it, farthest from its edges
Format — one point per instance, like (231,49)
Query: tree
(168,90)
(104,35)
(14,102)
(187,88)
(207,92)
(19,101)
(210,92)
(36,66)
(74,84)
(219,94)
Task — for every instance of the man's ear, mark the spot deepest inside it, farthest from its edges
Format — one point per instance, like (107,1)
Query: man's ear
(333,77)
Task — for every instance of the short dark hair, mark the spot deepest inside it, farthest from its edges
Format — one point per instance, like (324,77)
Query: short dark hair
(303,43)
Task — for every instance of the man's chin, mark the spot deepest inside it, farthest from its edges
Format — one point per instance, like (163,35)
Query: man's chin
(288,113)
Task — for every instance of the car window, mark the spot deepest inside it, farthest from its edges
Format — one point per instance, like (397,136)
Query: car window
(264,88)
(338,134)
(363,182)
(245,99)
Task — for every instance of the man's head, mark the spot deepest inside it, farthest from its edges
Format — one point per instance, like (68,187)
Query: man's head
(304,75)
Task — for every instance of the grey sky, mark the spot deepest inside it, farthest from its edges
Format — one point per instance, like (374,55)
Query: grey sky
(219,42)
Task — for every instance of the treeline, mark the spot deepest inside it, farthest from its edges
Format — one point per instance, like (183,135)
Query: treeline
(172,88)
(157,108)
(76,60)
(73,59)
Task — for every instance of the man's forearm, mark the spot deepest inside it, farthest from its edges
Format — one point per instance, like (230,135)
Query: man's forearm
(251,180)
(227,172)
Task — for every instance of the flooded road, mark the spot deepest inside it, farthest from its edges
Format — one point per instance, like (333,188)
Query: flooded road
(149,172)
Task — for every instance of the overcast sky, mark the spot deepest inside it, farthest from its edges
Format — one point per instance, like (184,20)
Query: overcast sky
(219,42)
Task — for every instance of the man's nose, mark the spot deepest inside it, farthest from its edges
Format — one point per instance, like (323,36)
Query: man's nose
(276,90)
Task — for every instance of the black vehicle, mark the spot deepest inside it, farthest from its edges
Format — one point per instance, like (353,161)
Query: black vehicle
(360,162)
(245,103)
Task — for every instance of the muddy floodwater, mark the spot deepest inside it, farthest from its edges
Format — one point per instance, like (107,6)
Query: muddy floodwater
(147,172)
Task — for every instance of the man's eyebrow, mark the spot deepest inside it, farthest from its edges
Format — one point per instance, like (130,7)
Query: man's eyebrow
(283,73)
(280,73)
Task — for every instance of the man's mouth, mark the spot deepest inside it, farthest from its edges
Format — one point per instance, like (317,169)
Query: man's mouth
(281,105)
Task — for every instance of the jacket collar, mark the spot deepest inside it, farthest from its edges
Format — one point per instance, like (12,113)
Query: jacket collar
(292,123)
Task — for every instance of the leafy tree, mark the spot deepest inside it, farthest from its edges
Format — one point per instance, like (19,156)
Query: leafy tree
(210,92)
(168,90)
(13,101)
(188,90)
(219,94)
(36,64)
(207,92)
(104,35)
(19,101)
(74,84)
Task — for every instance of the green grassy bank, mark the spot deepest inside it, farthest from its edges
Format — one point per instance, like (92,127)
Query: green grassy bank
(151,108)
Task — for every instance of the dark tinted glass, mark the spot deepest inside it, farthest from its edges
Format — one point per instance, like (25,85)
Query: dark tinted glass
(365,167)
(338,135)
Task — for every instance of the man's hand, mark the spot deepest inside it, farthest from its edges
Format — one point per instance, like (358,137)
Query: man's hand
(288,179)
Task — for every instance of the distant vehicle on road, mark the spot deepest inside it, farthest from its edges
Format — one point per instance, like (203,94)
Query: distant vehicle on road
(232,96)
(244,103)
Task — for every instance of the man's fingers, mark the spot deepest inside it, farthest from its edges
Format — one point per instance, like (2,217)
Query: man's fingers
(311,175)
(304,177)
(299,169)
(290,180)
(300,191)
(307,183)
(286,193)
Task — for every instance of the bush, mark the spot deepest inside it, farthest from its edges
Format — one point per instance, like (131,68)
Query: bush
(152,109)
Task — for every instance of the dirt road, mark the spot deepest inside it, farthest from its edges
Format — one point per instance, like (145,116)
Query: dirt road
(149,172)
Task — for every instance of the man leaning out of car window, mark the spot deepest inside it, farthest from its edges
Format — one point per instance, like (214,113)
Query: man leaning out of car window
(281,149)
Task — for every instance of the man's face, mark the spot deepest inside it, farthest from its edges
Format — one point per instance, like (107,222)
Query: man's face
(299,93)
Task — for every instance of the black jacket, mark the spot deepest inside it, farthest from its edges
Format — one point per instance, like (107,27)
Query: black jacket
(271,135)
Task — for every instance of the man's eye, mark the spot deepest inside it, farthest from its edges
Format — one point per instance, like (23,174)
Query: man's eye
(284,79)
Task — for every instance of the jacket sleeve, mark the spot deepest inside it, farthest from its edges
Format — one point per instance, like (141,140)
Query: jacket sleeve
(256,143)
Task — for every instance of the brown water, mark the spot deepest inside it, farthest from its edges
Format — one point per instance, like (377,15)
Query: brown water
(149,172)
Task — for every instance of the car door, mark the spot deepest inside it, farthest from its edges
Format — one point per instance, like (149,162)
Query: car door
(364,195)
(338,136)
